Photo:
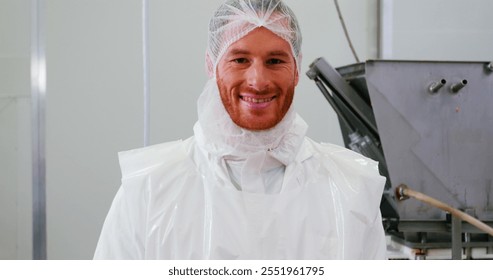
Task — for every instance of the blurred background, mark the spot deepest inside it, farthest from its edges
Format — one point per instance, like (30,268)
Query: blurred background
(81,80)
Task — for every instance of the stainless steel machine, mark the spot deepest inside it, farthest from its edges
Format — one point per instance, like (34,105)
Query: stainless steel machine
(430,126)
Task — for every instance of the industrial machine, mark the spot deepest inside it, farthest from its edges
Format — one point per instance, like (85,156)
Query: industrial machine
(429,124)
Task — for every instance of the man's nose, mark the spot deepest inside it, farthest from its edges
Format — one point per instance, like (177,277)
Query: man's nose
(257,77)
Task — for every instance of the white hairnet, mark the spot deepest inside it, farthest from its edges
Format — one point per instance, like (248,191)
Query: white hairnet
(236,18)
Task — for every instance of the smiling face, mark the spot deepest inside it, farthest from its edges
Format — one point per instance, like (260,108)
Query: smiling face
(256,79)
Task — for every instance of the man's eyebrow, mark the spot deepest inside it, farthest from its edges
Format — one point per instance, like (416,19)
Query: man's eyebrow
(279,53)
(238,51)
(244,52)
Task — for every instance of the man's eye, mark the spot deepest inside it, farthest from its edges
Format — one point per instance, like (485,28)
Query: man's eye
(274,61)
(240,60)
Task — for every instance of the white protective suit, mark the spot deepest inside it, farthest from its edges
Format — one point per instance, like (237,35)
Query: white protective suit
(230,193)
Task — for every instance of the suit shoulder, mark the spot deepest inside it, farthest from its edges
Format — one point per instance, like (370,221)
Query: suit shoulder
(143,160)
(343,157)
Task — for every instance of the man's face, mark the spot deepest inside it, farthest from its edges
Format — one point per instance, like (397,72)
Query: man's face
(256,79)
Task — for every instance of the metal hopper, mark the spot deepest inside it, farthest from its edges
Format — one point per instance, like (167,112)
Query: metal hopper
(430,126)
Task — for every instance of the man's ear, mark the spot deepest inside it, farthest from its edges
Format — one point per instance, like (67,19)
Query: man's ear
(209,65)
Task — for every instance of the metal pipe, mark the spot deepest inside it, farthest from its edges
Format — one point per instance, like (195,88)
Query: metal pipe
(385,29)
(145,66)
(436,86)
(458,86)
(38,95)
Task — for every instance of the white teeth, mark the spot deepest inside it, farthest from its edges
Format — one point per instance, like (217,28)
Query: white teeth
(256,100)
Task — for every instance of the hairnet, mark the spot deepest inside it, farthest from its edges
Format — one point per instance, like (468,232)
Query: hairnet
(236,18)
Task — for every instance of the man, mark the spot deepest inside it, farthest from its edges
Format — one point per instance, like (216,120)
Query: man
(249,184)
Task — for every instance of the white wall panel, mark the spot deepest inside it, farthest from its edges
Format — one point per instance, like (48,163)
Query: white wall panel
(443,30)
(15,136)
(94,110)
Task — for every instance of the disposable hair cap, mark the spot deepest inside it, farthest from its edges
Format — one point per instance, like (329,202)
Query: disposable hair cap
(236,18)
